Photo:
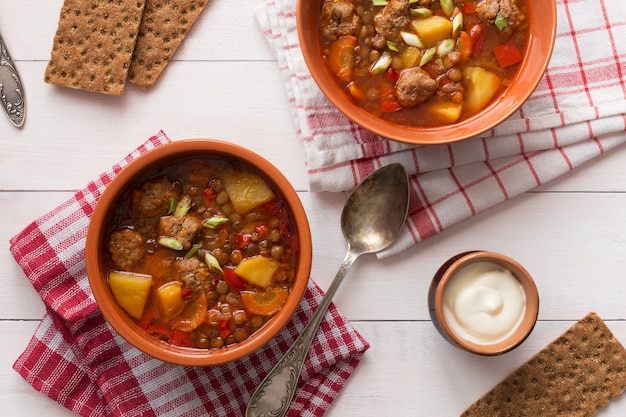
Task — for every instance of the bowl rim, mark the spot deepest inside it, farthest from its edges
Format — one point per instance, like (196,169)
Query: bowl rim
(523,277)
(537,56)
(121,321)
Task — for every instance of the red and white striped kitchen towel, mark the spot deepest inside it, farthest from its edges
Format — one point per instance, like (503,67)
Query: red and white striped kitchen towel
(577,112)
(78,360)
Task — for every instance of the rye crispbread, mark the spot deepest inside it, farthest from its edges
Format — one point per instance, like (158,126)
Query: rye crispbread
(94,44)
(574,376)
(164,25)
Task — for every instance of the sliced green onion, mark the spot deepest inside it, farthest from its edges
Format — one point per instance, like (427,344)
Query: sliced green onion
(445,46)
(379,3)
(446,6)
(421,12)
(170,242)
(172,207)
(457,25)
(193,250)
(413,1)
(212,263)
(183,206)
(428,55)
(500,22)
(382,64)
(412,39)
(214,222)
(392,45)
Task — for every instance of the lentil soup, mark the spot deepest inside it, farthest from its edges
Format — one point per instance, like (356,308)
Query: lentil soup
(201,253)
(423,62)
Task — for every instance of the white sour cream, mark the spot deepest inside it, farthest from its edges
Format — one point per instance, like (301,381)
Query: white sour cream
(484,303)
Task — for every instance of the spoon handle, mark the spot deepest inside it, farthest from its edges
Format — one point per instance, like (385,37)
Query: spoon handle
(274,395)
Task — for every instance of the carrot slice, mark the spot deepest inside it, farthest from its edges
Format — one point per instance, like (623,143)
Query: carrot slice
(464,45)
(356,92)
(265,303)
(192,316)
(340,58)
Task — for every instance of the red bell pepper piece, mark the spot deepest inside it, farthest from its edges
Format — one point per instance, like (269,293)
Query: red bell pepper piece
(147,317)
(209,194)
(233,280)
(272,207)
(186,293)
(180,338)
(388,101)
(262,229)
(243,240)
(285,225)
(392,75)
(477,33)
(225,329)
(469,7)
(158,330)
(507,54)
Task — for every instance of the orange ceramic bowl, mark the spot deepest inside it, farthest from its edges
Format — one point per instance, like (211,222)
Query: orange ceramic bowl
(542,33)
(96,256)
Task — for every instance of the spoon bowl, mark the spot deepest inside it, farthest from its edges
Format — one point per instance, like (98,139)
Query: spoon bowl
(371,221)
(376,210)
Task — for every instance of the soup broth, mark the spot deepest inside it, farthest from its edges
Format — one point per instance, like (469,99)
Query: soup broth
(423,62)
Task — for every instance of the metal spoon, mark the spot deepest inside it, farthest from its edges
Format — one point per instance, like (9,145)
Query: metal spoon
(371,220)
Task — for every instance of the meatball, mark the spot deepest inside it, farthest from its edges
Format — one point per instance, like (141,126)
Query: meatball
(394,17)
(193,274)
(126,247)
(339,19)
(414,86)
(488,10)
(156,196)
(185,229)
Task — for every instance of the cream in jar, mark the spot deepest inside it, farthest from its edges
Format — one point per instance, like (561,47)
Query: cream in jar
(484,303)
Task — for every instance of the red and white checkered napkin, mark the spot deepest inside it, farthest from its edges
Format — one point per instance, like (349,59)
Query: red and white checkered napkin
(76,359)
(577,112)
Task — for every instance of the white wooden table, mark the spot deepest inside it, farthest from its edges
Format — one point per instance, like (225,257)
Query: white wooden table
(224,83)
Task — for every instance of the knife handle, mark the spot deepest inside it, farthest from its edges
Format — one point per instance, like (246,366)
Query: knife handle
(11,89)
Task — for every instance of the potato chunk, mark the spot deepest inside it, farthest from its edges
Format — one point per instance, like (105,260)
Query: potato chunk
(170,298)
(130,291)
(257,270)
(246,191)
(480,88)
(446,111)
(432,29)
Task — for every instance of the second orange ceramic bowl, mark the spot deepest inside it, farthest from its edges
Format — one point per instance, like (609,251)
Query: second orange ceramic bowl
(542,34)
(96,252)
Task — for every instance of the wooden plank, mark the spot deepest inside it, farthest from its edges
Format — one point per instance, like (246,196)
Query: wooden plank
(405,372)
(572,277)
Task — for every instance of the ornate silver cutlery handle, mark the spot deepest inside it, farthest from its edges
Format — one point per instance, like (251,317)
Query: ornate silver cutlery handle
(11,89)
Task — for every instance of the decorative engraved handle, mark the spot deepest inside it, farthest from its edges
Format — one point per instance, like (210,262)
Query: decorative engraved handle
(11,90)
(273,397)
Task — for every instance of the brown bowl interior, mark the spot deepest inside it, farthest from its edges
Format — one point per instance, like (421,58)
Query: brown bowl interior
(542,33)
(444,276)
(96,246)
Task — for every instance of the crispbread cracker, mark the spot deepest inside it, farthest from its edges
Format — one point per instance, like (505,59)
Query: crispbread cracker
(574,376)
(94,44)
(164,25)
